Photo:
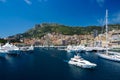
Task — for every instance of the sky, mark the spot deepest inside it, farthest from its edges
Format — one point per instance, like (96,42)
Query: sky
(17,16)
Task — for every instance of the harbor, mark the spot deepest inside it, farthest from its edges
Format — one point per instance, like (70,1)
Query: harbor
(50,63)
(60,40)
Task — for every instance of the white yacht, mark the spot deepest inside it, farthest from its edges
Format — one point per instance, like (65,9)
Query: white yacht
(70,48)
(113,56)
(80,62)
(88,49)
(10,49)
(75,48)
(31,48)
(110,56)
(27,48)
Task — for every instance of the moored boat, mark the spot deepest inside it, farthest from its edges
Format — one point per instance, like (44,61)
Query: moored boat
(108,55)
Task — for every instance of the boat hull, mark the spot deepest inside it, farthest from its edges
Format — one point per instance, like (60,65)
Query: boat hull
(111,58)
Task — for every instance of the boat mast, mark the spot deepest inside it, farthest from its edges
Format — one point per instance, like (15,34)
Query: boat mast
(106,31)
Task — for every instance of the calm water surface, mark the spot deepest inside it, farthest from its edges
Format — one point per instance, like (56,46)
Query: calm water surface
(48,64)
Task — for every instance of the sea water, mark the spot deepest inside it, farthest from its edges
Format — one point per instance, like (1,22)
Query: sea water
(49,64)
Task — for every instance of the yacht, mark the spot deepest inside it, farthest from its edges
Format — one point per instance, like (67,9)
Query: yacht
(90,49)
(78,48)
(27,48)
(70,48)
(31,48)
(80,62)
(110,56)
(113,56)
(10,49)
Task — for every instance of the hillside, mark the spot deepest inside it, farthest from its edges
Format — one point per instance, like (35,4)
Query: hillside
(40,30)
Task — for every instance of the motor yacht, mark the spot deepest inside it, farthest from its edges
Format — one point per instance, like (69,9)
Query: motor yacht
(80,62)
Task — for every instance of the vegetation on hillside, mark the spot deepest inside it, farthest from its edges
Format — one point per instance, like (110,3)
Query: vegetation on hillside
(2,40)
(41,29)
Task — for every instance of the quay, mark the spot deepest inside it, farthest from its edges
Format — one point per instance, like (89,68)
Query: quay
(46,46)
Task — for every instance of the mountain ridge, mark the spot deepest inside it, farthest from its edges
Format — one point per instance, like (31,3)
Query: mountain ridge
(39,30)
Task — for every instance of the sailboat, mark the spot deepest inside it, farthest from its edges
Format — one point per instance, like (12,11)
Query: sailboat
(109,55)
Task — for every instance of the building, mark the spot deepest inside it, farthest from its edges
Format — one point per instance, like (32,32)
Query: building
(115,38)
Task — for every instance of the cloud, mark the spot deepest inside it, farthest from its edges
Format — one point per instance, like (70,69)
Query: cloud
(3,1)
(100,2)
(28,2)
(112,19)
(42,0)
(115,18)
(101,21)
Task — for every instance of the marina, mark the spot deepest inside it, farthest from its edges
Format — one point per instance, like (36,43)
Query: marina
(60,40)
(49,63)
